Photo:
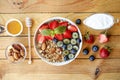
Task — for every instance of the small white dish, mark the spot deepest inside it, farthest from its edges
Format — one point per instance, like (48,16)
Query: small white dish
(11,20)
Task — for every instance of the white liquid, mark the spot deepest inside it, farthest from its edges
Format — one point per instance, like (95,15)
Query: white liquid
(99,21)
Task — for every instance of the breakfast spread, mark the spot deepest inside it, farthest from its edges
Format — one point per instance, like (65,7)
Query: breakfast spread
(57,40)
(99,21)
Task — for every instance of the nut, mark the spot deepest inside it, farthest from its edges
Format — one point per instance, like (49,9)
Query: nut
(52,50)
(16,56)
(22,53)
(43,47)
(17,47)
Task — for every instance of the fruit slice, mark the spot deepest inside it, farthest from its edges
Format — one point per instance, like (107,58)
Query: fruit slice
(75,47)
(72,28)
(44,26)
(40,38)
(75,35)
(64,23)
(69,46)
(89,38)
(103,37)
(66,41)
(59,43)
(65,52)
(71,56)
(59,37)
(67,34)
(73,51)
(53,24)
(73,41)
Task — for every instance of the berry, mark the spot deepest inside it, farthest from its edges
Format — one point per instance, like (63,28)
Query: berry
(78,21)
(55,40)
(53,24)
(48,37)
(103,37)
(89,38)
(73,51)
(85,51)
(66,58)
(59,37)
(104,52)
(64,47)
(91,58)
(78,41)
(95,48)
(40,38)
(67,34)
(64,23)
(44,26)
(72,28)
(75,35)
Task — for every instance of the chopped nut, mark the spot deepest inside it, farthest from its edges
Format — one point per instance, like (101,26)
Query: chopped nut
(22,53)
(16,56)
(43,47)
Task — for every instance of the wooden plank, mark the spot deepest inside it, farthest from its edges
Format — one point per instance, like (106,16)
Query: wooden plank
(38,18)
(10,6)
(85,68)
(113,43)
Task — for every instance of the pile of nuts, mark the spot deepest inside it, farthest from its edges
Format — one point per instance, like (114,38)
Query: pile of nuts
(15,52)
(50,51)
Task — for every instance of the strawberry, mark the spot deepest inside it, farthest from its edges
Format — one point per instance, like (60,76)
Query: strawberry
(48,37)
(59,36)
(89,38)
(40,38)
(72,28)
(104,52)
(67,34)
(103,37)
(44,26)
(64,23)
(53,24)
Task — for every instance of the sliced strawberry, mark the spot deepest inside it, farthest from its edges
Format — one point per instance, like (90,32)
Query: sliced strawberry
(48,37)
(89,38)
(59,36)
(104,52)
(53,24)
(40,38)
(44,26)
(103,37)
(64,23)
(67,34)
(72,28)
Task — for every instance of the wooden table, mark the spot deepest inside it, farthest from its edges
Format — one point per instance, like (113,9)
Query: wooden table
(81,68)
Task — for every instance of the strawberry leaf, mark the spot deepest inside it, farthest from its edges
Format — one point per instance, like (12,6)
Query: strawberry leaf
(60,30)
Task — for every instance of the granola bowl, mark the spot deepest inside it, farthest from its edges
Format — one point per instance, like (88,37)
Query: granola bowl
(57,41)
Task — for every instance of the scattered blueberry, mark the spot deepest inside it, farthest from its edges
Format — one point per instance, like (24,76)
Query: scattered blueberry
(85,51)
(95,48)
(78,21)
(73,51)
(64,47)
(91,58)
(55,40)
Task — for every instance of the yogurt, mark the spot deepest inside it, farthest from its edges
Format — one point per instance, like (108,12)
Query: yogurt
(99,21)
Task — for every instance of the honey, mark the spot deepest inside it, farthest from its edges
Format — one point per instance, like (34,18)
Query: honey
(14,27)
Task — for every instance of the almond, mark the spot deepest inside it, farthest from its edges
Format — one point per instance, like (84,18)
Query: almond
(22,53)
(43,47)
(16,56)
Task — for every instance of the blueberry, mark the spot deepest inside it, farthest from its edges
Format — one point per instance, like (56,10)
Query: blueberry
(66,58)
(95,48)
(64,47)
(85,51)
(73,51)
(78,21)
(78,41)
(91,58)
(55,40)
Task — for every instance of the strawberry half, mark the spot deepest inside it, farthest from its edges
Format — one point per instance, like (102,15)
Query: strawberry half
(64,23)
(48,37)
(104,52)
(72,28)
(40,38)
(44,26)
(103,37)
(89,38)
(67,34)
(59,36)
(53,24)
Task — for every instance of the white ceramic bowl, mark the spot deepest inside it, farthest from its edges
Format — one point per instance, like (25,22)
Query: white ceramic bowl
(6,27)
(58,63)
(6,52)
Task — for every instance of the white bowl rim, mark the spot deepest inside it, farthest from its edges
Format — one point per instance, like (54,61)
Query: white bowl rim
(6,26)
(22,46)
(59,63)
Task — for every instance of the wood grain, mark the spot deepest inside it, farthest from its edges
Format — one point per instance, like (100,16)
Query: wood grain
(8,6)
